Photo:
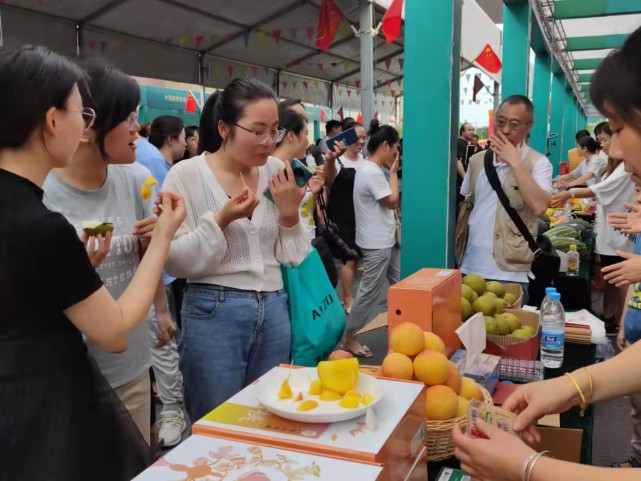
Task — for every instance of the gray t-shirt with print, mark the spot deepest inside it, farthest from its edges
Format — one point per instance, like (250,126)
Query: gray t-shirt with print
(118,201)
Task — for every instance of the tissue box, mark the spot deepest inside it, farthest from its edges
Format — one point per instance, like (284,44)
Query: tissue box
(484,370)
(515,347)
(431,299)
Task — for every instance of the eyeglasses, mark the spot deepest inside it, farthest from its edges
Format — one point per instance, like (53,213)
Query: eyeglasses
(263,138)
(132,120)
(513,126)
(88,116)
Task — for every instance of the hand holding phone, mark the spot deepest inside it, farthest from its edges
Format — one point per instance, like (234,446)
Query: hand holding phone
(348,137)
(300,173)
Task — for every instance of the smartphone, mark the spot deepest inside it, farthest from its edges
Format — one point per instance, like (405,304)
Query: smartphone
(348,137)
(301,174)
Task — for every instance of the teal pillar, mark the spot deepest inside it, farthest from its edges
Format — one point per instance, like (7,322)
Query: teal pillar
(517,19)
(541,99)
(316,130)
(556,119)
(429,186)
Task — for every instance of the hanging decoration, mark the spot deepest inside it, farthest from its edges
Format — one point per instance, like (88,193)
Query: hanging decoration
(246,35)
(293,33)
(276,34)
(401,63)
(388,62)
(262,36)
(329,21)
(182,41)
(310,33)
(489,60)
(478,86)
(392,21)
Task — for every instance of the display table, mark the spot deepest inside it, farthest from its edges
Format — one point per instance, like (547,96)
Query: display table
(575,357)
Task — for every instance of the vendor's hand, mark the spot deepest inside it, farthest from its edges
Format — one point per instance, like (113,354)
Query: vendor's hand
(317,181)
(621,339)
(287,196)
(590,208)
(97,247)
(166,328)
(558,200)
(339,149)
(238,207)
(624,273)
(533,401)
(171,212)
(505,150)
(627,222)
(498,458)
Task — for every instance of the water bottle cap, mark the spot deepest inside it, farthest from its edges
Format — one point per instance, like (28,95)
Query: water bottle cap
(555,296)
(549,290)
(573,247)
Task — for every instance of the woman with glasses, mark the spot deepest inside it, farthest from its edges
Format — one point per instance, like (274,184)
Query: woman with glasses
(235,317)
(102,183)
(192,137)
(59,419)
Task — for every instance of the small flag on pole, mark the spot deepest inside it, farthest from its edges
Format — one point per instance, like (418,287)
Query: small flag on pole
(489,60)
(192,103)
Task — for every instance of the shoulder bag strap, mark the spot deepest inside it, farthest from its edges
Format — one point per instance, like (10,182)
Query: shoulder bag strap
(494,181)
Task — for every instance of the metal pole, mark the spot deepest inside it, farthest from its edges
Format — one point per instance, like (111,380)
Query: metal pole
(367,61)
(497,96)
(202,68)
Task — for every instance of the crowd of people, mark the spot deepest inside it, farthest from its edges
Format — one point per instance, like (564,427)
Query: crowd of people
(196,224)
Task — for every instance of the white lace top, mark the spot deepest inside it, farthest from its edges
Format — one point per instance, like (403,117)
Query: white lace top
(248,254)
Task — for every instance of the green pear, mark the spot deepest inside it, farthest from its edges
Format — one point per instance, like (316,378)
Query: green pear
(466,309)
(495,287)
(485,305)
(476,282)
(467,293)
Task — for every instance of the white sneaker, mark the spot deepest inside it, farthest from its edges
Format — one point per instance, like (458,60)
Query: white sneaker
(171,425)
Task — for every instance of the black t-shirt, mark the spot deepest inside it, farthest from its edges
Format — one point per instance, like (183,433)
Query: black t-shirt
(44,267)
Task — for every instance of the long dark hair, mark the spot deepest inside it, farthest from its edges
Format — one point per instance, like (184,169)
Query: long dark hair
(290,120)
(32,80)
(114,96)
(228,106)
(615,86)
(163,128)
(380,134)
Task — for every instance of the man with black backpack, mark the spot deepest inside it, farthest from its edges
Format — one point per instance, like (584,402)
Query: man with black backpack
(506,188)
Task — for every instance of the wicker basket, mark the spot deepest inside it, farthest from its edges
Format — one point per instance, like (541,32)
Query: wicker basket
(439,434)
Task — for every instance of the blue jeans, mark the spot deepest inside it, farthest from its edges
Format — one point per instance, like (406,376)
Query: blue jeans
(230,338)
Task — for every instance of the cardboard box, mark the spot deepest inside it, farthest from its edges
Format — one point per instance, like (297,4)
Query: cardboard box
(564,443)
(204,457)
(517,290)
(430,298)
(396,444)
(514,347)
(484,370)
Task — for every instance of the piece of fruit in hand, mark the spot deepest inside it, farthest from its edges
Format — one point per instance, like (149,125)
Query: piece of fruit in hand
(94,227)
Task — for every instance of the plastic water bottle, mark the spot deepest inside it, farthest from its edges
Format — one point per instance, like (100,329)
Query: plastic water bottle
(552,332)
(573,262)
(546,300)
(567,211)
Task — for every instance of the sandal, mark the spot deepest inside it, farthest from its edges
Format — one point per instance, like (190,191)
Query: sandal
(632,461)
(362,351)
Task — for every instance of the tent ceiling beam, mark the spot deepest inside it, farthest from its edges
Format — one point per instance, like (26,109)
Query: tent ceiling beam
(565,9)
(316,52)
(596,42)
(587,63)
(101,11)
(379,60)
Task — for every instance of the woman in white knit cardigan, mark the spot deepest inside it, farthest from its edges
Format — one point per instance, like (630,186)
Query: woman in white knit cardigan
(236,324)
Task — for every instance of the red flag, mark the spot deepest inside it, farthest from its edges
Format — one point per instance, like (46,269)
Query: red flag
(192,104)
(489,60)
(359,118)
(340,113)
(322,114)
(199,40)
(392,21)
(328,21)
(276,33)
(478,86)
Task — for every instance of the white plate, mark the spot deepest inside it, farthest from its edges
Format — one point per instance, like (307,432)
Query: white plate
(327,411)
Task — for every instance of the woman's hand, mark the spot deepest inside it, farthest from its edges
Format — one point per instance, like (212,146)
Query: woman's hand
(626,272)
(396,164)
(238,207)
(317,182)
(558,200)
(339,149)
(590,208)
(171,213)
(143,229)
(287,196)
(166,328)
(621,339)
(533,401)
(627,222)
(97,247)
(498,458)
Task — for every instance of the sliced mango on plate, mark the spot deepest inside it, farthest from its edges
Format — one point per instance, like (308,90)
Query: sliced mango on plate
(307,405)
(329,395)
(350,402)
(285,391)
(315,388)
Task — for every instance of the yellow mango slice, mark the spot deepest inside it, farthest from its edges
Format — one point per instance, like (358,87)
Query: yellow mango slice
(285,391)
(307,405)
(352,393)
(315,387)
(367,399)
(329,395)
(145,192)
(299,397)
(350,402)
(340,375)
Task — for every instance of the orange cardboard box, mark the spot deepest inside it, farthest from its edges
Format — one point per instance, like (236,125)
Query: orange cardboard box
(430,298)
(397,443)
